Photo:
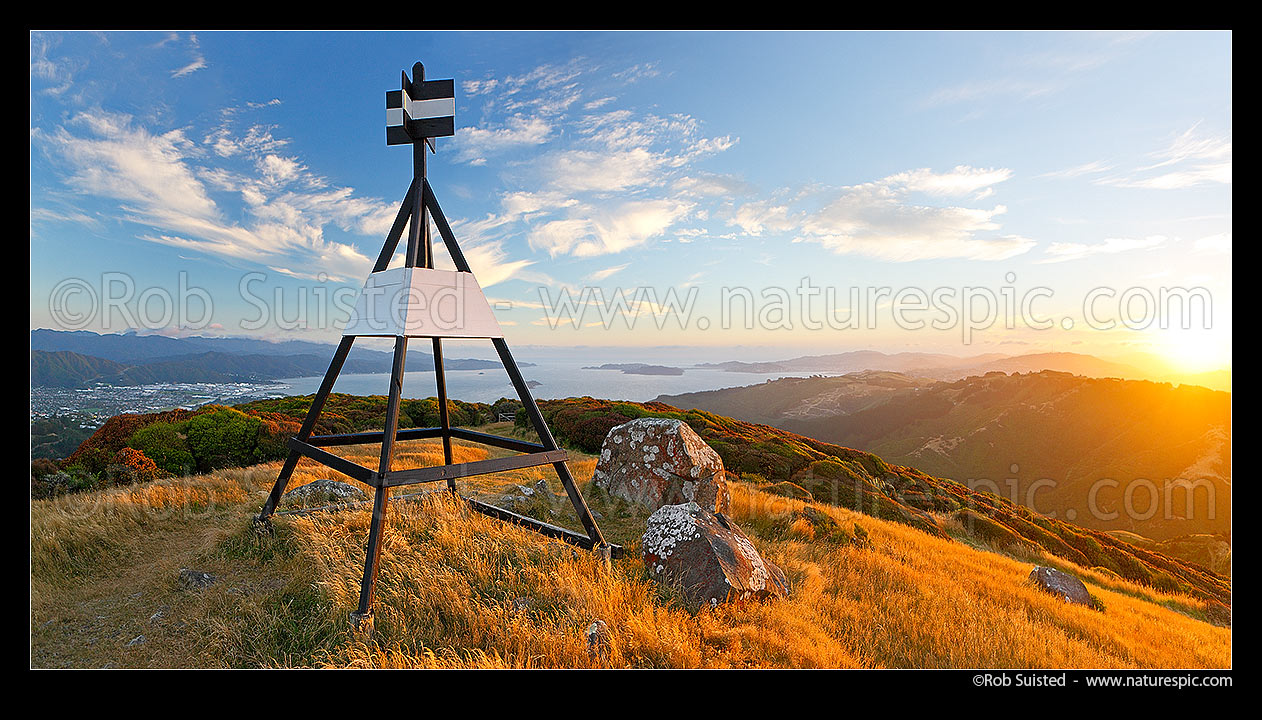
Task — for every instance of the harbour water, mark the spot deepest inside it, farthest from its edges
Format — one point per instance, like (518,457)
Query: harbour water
(556,378)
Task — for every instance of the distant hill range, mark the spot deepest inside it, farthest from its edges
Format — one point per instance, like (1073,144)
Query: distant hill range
(939,366)
(1047,439)
(80,358)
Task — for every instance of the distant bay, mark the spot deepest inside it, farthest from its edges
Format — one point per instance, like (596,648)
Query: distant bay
(557,379)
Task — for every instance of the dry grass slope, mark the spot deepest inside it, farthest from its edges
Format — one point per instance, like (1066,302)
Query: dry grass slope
(461,590)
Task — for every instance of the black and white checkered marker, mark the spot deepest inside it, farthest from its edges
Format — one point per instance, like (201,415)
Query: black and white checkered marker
(420,110)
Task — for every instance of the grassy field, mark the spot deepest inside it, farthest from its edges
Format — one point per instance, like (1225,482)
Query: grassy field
(458,589)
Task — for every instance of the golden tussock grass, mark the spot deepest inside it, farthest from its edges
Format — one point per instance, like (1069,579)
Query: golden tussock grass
(457,589)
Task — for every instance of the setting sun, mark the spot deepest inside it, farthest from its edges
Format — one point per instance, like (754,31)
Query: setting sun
(1195,350)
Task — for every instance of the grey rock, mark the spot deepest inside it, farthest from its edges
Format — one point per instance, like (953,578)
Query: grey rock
(708,557)
(195,579)
(138,640)
(323,492)
(1062,584)
(661,461)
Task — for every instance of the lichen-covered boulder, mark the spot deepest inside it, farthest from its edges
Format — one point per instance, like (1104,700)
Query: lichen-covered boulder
(1063,585)
(661,461)
(707,556)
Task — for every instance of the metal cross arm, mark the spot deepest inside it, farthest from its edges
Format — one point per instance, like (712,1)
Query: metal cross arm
(420,110)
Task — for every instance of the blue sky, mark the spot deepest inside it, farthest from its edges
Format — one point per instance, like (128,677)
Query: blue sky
(707,165)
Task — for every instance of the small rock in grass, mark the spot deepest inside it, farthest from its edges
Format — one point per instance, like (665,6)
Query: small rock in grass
(599,641)
(1062,584)
(195,579)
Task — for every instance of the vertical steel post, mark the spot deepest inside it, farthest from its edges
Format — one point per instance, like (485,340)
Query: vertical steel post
(381,498)
(444,418)
(420,251)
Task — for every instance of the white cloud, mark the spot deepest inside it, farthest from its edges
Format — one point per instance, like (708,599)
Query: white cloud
(278,170)
(765,216)
(961,180)
(257,140)
(601,231)
(580,171)
(704,185)
(197,64)
(476,144)
(605,273)
(488,261)
(162,181)
(479,87)
(524,204)
(877,220)
(1219,243)
(549,76)
(1061,251)
(636,73)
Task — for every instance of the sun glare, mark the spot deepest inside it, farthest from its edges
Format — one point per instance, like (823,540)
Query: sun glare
(1196,351)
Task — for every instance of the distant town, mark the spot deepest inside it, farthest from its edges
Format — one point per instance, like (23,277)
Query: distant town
(95,404)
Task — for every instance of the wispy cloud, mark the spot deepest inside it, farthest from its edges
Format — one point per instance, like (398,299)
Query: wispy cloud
(636,73)
(601,179)
(1094,167)
(605,273)
(1192,158)
(1031,75)
(198,60)
(41,215)
(971,92)
(57,74)
(197,64)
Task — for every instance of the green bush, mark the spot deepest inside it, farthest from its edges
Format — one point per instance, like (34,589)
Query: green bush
(164,443)
(223,438)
